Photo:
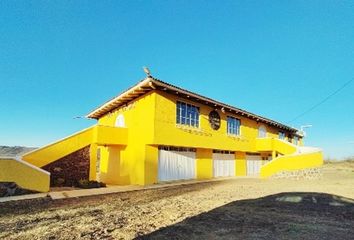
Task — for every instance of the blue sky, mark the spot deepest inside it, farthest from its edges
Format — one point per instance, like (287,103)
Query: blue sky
(61,59)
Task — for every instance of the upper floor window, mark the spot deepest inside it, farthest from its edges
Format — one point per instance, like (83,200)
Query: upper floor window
(233,126)
(187,114)
(296,140)
(262,131)
(120,121)
(282,135)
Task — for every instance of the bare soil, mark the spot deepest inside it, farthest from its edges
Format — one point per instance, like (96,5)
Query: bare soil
(232,209)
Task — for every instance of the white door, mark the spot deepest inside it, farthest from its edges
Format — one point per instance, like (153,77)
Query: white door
(223,165)
(254,163)
(176,165)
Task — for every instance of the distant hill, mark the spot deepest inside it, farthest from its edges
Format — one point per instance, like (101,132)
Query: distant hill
(15,151)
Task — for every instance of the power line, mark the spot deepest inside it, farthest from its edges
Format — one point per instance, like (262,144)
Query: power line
(323,101)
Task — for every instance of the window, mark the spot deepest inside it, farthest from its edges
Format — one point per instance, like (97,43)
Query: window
(296,140)
(223,151)
(282,135)
(177,149)
(262,131)
(120,121)
(187,114)
(233,126)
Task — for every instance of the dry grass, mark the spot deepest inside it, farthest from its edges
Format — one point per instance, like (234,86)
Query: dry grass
(240,208)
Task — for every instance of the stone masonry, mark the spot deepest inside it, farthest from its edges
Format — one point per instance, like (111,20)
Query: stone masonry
(309,173)
(69,170)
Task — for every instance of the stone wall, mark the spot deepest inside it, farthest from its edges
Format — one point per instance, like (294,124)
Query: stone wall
(8,189)
(309,173)
(70,169)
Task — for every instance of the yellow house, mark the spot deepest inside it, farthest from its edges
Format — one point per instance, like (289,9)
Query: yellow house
(156,132)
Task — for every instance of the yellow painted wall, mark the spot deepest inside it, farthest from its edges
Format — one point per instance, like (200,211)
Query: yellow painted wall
(63,147)
(93,159)
(24,175)
(274,144)
(112,168)
(241,167)
(49,153)
(168,133)
(292,162)
(151,164)
(204,159)
(136,158)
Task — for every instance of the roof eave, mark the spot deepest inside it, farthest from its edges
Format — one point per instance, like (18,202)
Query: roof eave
(149,84)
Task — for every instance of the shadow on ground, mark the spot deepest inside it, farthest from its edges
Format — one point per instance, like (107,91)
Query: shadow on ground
(281,216)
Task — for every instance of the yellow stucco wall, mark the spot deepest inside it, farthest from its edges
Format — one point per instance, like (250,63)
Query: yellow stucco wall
(167,132)
(204,163)
(24,175)
(274,144)
(292,162)
(136,157)
(241,167)
(92,135)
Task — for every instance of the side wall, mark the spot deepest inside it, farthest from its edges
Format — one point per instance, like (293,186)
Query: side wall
(167,132)
(128,165)
(24,175)
(151,120)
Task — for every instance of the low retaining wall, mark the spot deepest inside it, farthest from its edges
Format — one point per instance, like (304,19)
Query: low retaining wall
(293,162)
(25,175)
(309,173)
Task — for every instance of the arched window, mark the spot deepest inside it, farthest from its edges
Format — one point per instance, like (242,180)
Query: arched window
(262,131)
(120,121)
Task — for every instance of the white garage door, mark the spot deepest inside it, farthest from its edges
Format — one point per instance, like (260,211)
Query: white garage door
(224,164)
(176,164)
(254,163)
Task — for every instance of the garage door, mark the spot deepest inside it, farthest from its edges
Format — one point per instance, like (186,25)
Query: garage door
(176,163)
(223,164)
(254,163)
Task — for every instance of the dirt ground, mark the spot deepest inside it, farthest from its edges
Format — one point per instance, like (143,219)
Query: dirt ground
(232,209)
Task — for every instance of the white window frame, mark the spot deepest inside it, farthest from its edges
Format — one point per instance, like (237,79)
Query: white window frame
(189,117)
(120,121)
(238,131)
(282,135)
(259,131)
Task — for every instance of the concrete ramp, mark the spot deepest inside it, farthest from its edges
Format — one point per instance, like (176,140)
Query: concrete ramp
(293,157)
(99,135)
(24,175)
(27,172)
(303,158)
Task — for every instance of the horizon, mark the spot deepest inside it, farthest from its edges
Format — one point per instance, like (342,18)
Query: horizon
(276,60)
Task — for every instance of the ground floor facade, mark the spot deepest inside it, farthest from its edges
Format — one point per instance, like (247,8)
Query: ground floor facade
(171,163)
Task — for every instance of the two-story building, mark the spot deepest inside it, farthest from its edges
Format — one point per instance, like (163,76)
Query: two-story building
(156,132)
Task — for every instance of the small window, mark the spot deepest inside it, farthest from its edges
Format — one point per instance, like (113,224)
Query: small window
(120,121)
(282,135)
(187,114)
(296,140)
(262,131)
(233,126)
